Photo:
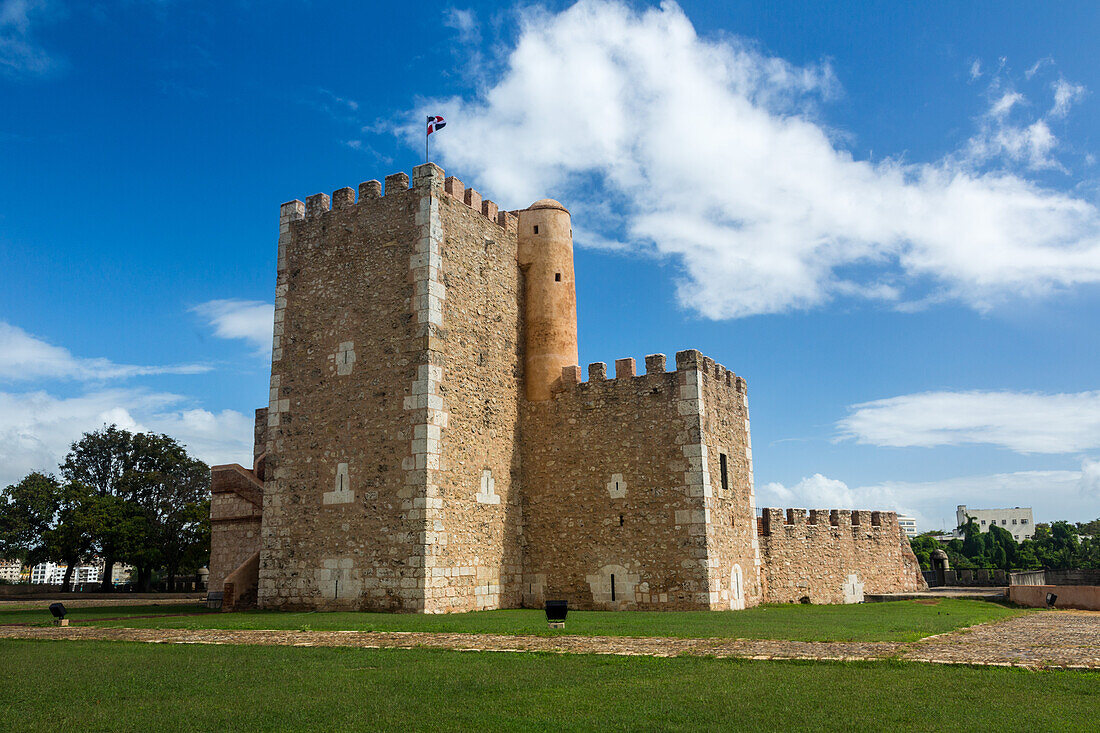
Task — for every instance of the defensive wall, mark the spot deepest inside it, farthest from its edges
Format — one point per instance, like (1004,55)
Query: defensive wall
(834,555)
(236,510)
(408,460)
(625,506)
(394,401)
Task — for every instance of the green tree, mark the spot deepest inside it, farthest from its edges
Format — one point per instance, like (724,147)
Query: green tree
(171,489)
(1092,529)
(41,519)
(149,499)
(27,510)
(101,460)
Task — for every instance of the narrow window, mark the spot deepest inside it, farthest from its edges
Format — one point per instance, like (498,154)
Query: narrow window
(557,277)
(536,229)
(613,586)
(725,471)
(621,520)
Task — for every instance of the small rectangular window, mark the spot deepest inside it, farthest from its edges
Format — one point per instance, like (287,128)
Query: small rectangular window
(983,522)
(557,277)
(1004,521)
(536,229)
(1014,521)
(1023,521)
(725,471)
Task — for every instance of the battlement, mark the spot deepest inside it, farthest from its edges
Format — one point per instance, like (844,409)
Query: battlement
(320,204)
(773,519)
(689,360)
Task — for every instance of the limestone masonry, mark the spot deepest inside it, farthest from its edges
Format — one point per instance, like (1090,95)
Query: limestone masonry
(430,444)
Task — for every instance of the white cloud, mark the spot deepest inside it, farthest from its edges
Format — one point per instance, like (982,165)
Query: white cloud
(465,22)
(1034,68)
(975,69)
(37,428)
(1065,95)
(251,320)
(20,55)
(1007,134)
(1025,422)
(25,357)
(712,155)
(1054,495)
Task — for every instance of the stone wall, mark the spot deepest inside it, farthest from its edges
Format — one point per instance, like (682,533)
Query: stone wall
(733,549)
(835,556)
(619,508)
(400,467)
(394,402)
(235,516)
(475,561)
(347,347)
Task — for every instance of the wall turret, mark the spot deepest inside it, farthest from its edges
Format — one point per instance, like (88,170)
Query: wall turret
(546,256)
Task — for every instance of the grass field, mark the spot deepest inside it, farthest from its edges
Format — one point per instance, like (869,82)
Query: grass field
(894,621)
(126,686)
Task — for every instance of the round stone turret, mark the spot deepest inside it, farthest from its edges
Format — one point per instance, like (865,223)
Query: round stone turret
(545,234)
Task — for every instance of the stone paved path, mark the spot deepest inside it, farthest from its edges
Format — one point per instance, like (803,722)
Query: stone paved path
(1068,639)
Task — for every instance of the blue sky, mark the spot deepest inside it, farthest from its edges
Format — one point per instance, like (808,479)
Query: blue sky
(886,218)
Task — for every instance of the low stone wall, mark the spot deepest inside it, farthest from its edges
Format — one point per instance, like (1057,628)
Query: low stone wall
(835,556)
(235,518)
(1086,597)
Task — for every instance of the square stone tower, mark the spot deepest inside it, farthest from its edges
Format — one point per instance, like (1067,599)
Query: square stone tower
(430,446)
(392,459)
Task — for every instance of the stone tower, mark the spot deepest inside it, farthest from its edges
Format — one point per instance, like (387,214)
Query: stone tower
(430,445)
(546,257)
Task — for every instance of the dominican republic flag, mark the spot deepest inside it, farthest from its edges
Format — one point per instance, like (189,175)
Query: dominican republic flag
(435,123)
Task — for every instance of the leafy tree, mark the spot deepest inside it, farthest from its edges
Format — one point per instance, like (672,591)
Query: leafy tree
(101,460)
(923,545)
(171,490)
(27,510)
(41,519)
(150,500)
(1092,529)
(70,539)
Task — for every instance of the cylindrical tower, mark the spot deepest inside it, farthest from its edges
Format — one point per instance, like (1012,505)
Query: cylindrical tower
(546,256)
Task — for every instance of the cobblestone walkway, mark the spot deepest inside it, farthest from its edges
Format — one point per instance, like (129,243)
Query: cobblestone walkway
(1068,639)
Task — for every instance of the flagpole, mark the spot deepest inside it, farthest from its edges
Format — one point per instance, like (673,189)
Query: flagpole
(426,138)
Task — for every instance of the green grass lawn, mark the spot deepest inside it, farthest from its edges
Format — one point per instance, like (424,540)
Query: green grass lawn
(894,621)
(55,685)
(39,614)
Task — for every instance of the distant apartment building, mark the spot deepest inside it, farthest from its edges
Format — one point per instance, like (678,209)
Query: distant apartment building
(908,525)
(48,573)
(1017,520)
(11,571)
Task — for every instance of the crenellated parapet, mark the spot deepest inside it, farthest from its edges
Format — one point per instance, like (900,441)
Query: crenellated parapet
(626,373)
(774,520)
(834,555)
(320,205)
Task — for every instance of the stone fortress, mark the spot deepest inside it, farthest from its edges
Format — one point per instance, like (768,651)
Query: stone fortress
(430,444)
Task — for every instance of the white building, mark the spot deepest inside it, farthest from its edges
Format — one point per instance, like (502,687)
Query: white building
(1017,520)
(908,525)
(11,570)
(54,574)
(49,573)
